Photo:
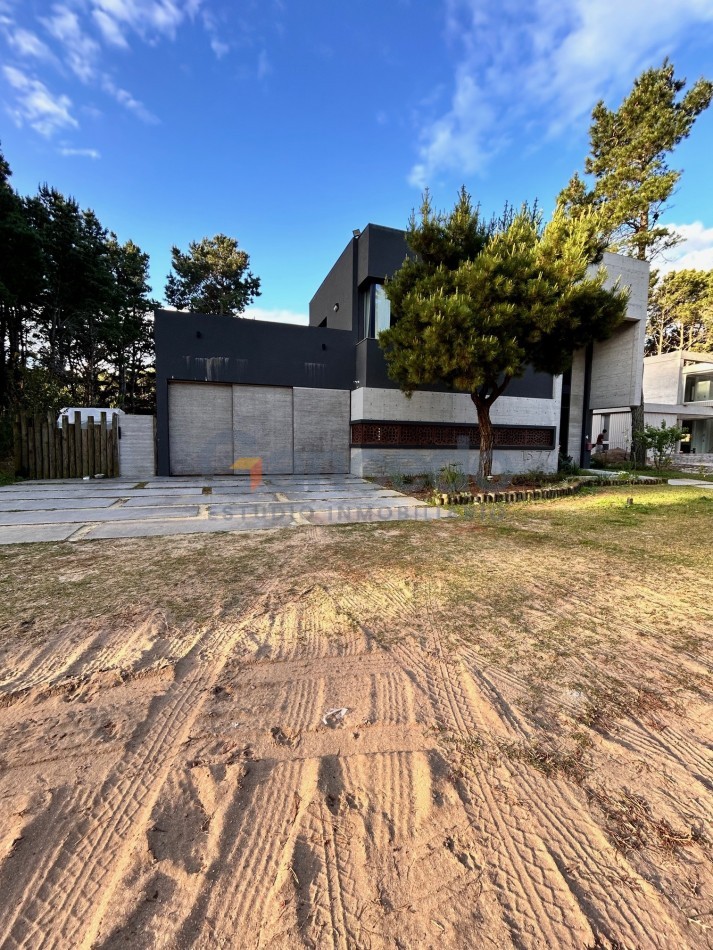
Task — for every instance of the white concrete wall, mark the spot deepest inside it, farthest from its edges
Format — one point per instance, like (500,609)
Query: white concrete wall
(662,379)
(421,461)
(137,448)
(458,408)
(617,368)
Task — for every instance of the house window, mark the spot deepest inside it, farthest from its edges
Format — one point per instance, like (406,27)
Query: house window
(375,309)
(699,388)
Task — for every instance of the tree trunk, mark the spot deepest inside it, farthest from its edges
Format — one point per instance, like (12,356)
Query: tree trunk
(485,427)
(638,448)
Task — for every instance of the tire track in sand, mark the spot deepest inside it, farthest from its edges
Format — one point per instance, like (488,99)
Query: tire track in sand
(74,881)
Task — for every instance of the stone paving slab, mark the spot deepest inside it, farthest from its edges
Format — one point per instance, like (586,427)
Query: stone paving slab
(21,534)
(29,504)
(116,508)
(697,483)
(79,515)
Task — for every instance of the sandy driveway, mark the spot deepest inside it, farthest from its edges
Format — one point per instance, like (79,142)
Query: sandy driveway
(404,736)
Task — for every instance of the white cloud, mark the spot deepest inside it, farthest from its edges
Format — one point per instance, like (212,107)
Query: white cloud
(540,66)
(264,67)
(26,43)
(80,51)
(128,101)
(79,152)
(277,316)
(695,252)
(37,106)
(110,29)
(148,18)
(219,47)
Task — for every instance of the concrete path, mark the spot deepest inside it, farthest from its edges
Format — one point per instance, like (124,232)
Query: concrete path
(696,482)
(121,508)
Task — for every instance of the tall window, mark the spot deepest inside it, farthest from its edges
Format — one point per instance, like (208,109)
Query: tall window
(376,310)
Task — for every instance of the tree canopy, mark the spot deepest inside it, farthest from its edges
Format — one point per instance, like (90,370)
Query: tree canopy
(483,300)
(74,307)
(680,313)
(213,277)
(628,160)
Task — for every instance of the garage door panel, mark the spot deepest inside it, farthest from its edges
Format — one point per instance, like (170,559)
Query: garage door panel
(321,431)
(262,426)
(200,429)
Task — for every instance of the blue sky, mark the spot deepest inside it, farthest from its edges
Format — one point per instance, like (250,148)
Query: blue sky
(287,124)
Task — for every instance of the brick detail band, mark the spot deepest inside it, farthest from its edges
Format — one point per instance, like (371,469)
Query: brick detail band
(425,435)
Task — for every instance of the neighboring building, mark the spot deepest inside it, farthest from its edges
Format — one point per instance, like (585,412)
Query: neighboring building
(678,390)
(318,399)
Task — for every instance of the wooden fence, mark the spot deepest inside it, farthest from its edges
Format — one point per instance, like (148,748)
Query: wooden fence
(44,449)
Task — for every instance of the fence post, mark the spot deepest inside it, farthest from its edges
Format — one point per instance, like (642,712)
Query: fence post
(51,463)
(25,465)
(66,462)
(37,423)
(115,445)
(102,445)
(90,446)
(17,445)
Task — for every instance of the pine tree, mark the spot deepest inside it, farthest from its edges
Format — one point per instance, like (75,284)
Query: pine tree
(681,313)
(213,277)
(481,301)
(632,181)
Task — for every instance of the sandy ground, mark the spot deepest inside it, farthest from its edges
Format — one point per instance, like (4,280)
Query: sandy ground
(524,760)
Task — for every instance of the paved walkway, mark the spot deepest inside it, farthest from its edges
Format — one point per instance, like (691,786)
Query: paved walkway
(121,508)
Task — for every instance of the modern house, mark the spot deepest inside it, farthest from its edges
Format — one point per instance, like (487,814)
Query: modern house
(678,390)
(318,399)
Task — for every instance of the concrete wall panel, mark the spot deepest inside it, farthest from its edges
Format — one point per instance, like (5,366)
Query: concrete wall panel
(200,429)
(137,455)
(321,431)
(262,426)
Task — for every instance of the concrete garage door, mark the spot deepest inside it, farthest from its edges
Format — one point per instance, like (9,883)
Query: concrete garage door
(321,431)
(294,431)
(200,428)
(262,426)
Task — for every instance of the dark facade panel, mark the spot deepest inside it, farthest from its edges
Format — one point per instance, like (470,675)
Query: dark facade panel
(381,252)
(371,371)
(338,288)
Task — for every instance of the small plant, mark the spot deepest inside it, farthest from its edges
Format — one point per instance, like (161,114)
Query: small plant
(451,478)
(566,465)
(661,441)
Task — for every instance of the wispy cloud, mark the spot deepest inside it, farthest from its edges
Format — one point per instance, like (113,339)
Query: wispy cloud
(79,152)
(36,106)
(264,67)
(524,58)
(26,43)
(129,102)
(80,51)
(276,316)
(695,252)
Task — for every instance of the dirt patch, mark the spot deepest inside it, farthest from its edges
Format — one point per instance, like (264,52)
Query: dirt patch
(420,735)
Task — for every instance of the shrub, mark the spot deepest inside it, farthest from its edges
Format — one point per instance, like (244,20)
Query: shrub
(661,441)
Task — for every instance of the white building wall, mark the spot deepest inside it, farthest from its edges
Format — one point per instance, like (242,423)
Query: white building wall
(458,408)
(662,379)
